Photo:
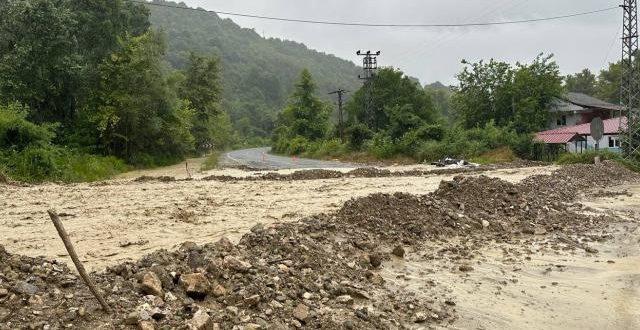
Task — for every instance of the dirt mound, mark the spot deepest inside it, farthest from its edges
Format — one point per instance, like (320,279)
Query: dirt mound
(483,205)
(368,172)
(573,180)
(282,277)
(317,174)
(146,178)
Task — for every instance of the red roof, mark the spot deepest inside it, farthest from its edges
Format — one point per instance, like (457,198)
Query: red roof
(566,134)
(611,126)
(556,138)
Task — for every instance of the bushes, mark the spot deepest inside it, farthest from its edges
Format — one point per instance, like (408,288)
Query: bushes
(211,161)
(587,157)
(38,164)
(26,153)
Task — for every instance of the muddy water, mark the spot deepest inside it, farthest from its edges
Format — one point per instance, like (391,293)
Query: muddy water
(535,284)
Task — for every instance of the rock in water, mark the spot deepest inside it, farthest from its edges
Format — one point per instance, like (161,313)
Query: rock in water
(375,260)
(398,251)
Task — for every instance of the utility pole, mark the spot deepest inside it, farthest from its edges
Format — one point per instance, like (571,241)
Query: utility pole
(629,91)
(369,68)
(340,92)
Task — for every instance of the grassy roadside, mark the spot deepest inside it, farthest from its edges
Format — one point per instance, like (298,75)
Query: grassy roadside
(211,161)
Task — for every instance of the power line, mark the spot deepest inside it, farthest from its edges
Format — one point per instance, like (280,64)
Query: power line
(293,20)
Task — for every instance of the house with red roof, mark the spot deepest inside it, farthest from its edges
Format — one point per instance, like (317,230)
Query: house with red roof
(570,123)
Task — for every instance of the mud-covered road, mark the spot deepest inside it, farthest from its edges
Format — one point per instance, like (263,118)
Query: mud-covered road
(487,280)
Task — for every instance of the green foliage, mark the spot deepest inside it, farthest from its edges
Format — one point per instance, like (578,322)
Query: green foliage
(211,161)
(608,86)
(304,119)
(325,149)
(395,102)
(441,97)
(17,133)
(468,143)
(203,88)
(509,96)
(587,157)
(50,163)
(582,82)
(139,115)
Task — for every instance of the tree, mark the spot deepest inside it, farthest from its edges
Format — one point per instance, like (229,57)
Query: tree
(39,60)
(306,117)
(139,117)
(202,87)
(582,82)
(441,97)
(393,101)
(608,86)
(506,95)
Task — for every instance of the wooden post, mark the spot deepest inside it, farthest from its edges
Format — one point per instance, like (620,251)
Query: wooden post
(76,261)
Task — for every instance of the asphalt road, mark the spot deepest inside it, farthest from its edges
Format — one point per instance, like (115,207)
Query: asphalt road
(261,158)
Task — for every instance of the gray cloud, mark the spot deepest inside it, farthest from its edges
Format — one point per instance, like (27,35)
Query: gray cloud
(435,53)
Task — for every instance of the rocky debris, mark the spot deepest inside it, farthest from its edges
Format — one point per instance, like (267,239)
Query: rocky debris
(151,284)
(146,178)
(398,251)
(365,172)
(196,285)
(301,312)
(465,268)
(200,321)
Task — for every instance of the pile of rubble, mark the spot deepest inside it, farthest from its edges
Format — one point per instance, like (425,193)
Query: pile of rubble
(488,206)
(281,277)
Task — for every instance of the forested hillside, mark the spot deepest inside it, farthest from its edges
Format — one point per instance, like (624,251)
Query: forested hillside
(258,74)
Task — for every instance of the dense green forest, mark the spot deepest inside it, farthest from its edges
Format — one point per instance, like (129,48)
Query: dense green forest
(85,88)
(258,74)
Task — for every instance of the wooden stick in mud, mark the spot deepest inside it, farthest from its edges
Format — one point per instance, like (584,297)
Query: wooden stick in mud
(76,261)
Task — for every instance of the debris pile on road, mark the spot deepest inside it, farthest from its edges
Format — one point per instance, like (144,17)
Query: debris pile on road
(361,172)
(146,178)
(467,205)
(280,277)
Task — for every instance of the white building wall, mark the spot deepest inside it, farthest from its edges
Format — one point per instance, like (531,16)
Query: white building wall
(591,144)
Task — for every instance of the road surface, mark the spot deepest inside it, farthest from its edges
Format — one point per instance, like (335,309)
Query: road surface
(261,158)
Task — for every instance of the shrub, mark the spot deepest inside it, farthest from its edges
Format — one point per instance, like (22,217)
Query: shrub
(38,164)
(17,133)
(211,161)
(587,157)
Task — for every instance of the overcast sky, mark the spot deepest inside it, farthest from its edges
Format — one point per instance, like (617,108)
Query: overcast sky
(434,54)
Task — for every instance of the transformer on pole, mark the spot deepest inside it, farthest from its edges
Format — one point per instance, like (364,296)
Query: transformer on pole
(629,88)
(369,68)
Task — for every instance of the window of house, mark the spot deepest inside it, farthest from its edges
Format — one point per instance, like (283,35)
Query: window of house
(562,121)
(614,142)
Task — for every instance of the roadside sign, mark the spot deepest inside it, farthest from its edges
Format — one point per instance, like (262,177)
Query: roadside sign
(597,130)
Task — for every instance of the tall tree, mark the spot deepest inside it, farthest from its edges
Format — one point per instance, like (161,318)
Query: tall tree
(305,116)
(139,115)
(203,88)
(609,80)
(376,103)
(581,82)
